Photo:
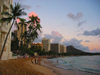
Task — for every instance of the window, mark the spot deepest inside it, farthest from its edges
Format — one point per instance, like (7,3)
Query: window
(0,9)
(0,37)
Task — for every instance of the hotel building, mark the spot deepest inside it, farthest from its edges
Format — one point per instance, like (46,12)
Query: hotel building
(55,47)
(63,49)
(4,27)
(46,44)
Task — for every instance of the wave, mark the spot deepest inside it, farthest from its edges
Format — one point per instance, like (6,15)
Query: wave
(84,63)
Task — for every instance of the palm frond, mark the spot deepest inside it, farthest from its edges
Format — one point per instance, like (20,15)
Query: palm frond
(18,11)
(22,19)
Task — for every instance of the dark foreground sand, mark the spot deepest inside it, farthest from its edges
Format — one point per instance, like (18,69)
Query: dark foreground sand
(26,67)
(23,67)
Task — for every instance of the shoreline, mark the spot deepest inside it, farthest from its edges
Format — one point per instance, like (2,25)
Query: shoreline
(26,67)
(60,71)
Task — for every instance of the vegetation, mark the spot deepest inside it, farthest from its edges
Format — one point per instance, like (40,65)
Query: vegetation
(14,43)
(28,36)
(32,33)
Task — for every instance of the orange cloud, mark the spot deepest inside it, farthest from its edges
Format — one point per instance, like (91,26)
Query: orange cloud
(92,46)
(32,14)
(18,20)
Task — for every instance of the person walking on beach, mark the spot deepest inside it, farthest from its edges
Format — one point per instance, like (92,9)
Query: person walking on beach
(39,60)
(35,60)
(57,61)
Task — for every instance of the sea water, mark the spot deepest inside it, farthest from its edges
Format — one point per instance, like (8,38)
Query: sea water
(90,64)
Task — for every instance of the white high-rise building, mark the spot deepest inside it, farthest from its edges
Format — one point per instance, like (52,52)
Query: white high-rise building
(46,44)
(63,49)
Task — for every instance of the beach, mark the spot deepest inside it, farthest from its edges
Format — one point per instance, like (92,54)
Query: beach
(24,66)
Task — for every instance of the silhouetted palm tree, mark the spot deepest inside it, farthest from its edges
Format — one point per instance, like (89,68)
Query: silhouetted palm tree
(34,28)
(16,12)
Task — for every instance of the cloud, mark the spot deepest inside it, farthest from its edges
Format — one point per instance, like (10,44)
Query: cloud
(76,43)
(76,17)
(87,41)
(26,6)
(95,32)
(39,39)
(95,50)
(32,14)
(55,36)
(81,23)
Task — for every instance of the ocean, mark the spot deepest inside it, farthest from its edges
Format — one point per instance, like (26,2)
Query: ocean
(89,64)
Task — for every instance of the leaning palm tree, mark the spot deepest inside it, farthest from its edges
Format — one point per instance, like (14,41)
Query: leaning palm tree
(16,12)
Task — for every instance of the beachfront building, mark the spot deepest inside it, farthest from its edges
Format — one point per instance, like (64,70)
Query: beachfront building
(55,47)
(46,44)
(63,49)
(20,31)
(58,48)
(37,45)
(4,27)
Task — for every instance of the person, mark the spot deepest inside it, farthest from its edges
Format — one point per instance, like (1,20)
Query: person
(57,61)
(35,60)
(39,60)
(35,54)
(32,60)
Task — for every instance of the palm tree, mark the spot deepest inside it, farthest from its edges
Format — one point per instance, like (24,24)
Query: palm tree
(16,12)
(34,27)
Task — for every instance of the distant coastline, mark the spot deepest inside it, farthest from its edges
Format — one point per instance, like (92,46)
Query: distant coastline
(71,51)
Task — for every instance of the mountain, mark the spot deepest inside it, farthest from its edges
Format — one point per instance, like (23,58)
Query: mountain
(71,50)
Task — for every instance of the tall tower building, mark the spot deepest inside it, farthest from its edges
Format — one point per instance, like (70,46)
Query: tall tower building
(46,44)
(20,31)
(63,49)
(55,47)
(4,27)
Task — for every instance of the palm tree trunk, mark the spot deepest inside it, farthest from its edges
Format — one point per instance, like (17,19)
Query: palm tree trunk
(21,34)
(6,40)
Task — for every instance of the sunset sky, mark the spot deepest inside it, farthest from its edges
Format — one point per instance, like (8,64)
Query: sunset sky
(70,22)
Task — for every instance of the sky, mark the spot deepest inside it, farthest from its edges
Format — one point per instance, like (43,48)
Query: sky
(69,22)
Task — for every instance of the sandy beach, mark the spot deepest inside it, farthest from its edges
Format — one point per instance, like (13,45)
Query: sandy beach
(26,67)
(23,67)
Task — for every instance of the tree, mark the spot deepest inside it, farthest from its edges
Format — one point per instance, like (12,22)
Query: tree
(16,12)
(14,42)
(33,29)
